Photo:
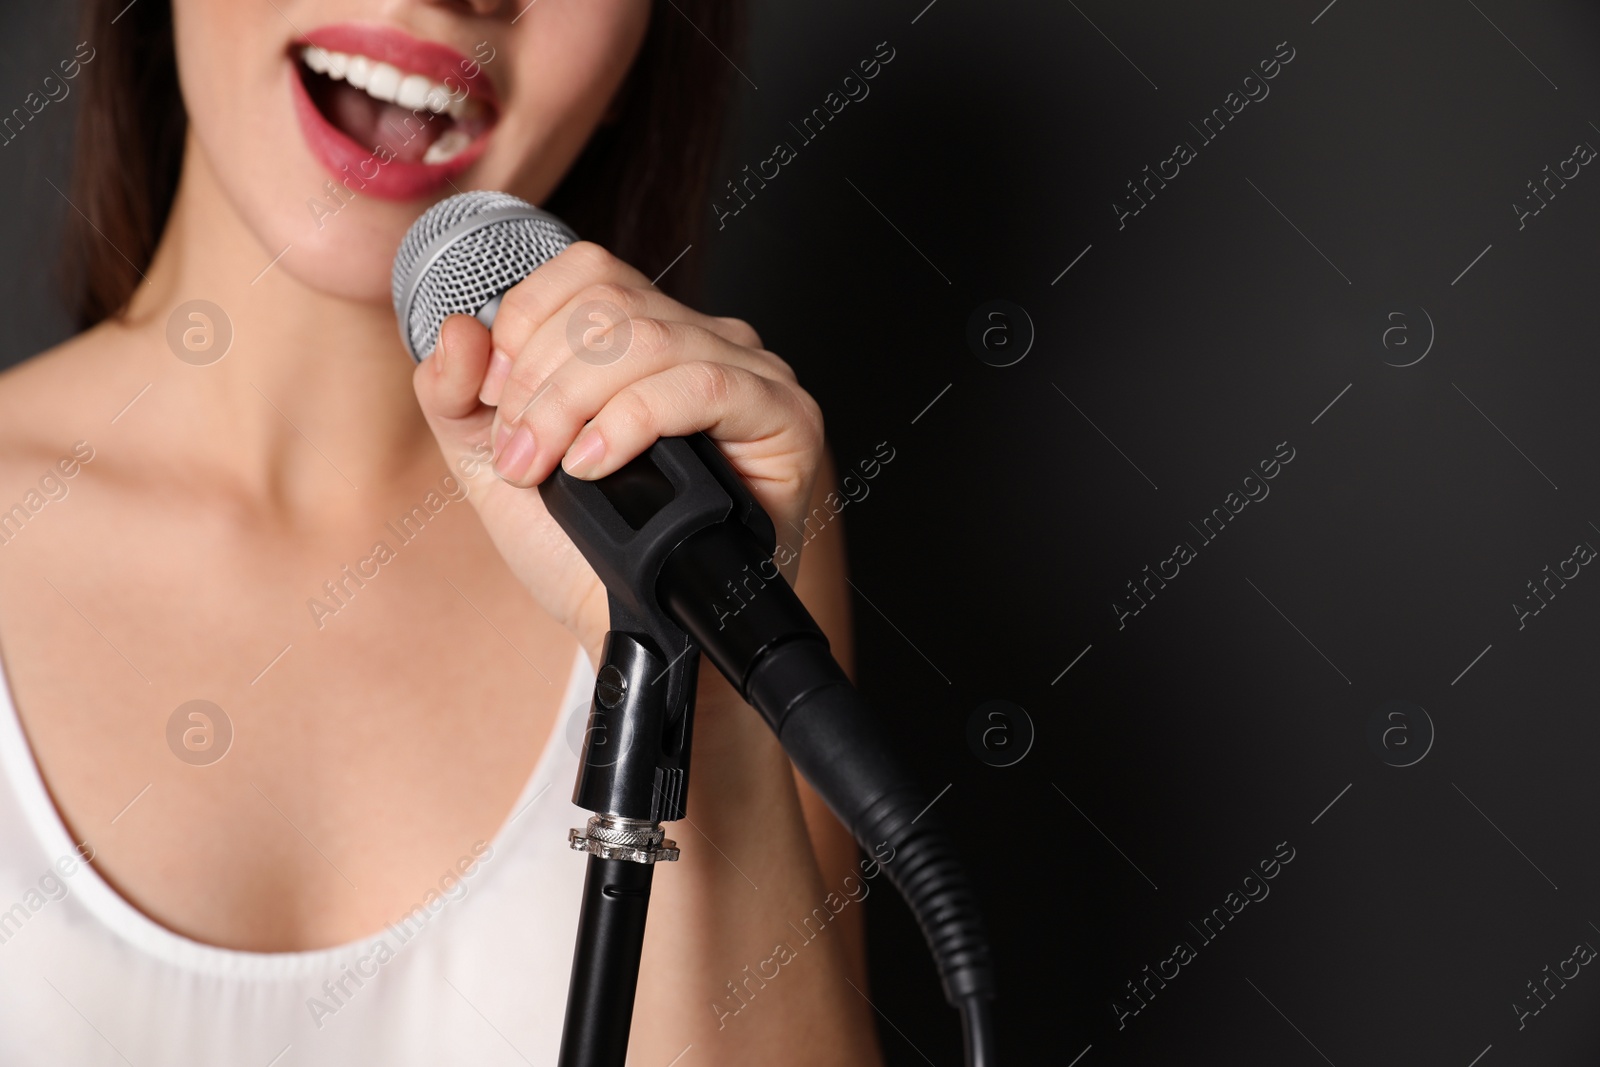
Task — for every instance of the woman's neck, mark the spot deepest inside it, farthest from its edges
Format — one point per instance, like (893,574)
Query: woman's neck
(305,373)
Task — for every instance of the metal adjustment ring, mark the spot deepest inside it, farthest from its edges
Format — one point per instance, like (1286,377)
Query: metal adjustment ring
(614,837)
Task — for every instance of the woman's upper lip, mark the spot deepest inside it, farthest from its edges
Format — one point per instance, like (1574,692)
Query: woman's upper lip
(432,60)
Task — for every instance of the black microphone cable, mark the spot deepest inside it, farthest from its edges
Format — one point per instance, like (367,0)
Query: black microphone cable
(778,660)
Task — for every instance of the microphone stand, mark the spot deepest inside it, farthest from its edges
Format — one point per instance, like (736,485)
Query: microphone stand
(634,771)
(633,777)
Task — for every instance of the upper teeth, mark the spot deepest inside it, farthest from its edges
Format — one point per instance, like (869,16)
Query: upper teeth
(387,83)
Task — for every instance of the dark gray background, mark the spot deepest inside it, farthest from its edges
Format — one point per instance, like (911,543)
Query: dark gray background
(33,39)
(1232,713)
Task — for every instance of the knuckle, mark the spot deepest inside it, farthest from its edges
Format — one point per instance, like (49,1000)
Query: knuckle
(588,258)
(543,401)
(741,332)
(619,296)
(708,381)
(812,426)
(631,409)
(782,367)
(524,377)
(653,338)
(552,405)
(515,318)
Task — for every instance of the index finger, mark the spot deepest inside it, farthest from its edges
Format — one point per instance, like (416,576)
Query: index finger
(551,287)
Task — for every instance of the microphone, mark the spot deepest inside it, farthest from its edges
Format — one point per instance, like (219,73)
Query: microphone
(669,534)
(462,255)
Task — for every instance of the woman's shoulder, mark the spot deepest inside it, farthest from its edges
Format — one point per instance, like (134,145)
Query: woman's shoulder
(57,400)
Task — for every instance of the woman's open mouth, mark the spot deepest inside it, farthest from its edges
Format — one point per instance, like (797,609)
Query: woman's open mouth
(388,114)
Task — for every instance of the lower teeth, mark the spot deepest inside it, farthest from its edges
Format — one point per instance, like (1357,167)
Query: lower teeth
(447,147)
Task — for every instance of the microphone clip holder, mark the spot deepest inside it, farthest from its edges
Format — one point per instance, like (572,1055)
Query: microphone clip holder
(635,758)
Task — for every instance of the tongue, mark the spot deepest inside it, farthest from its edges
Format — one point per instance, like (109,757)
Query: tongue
(371,122)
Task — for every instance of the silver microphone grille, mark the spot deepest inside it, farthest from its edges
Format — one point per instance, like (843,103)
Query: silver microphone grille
(462,254)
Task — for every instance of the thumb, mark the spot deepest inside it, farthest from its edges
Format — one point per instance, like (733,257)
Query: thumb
(447,384)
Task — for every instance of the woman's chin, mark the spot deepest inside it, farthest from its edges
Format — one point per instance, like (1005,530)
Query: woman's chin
(348,259)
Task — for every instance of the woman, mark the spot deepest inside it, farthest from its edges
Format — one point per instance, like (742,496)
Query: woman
(354,851)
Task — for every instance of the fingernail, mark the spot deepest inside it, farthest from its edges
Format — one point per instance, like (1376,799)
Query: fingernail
(516,456)
(502,430)
(495,379)
(584,455)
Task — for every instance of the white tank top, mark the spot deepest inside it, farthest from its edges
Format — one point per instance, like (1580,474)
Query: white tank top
(477,974)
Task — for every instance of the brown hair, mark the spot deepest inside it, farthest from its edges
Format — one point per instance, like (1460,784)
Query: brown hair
(636,188)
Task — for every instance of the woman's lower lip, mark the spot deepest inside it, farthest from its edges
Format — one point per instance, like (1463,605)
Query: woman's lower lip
(364,170)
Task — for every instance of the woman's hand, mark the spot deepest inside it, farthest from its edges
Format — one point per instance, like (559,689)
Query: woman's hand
(587,365)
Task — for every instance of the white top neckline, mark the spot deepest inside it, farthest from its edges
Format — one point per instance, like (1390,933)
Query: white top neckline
(111,909)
